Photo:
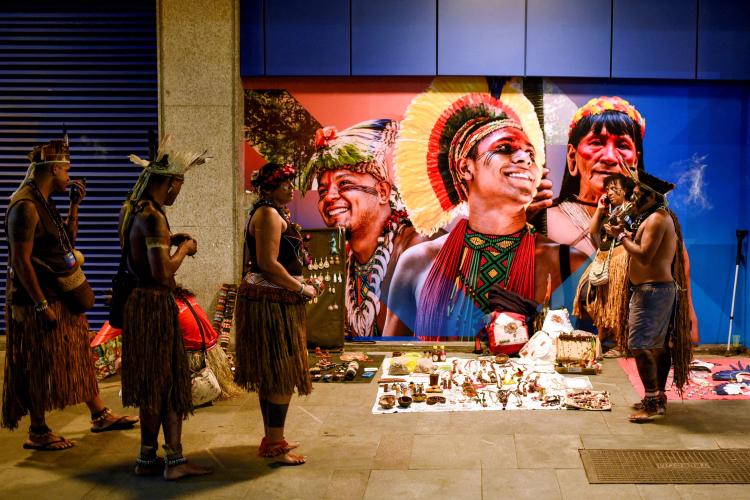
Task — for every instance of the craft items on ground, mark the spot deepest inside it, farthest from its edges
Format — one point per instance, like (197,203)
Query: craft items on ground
(708,379)
(460,384)
(354,368)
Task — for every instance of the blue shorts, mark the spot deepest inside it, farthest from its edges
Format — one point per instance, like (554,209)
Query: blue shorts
(652,306)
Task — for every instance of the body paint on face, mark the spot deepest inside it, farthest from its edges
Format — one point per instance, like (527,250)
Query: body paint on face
(356,187)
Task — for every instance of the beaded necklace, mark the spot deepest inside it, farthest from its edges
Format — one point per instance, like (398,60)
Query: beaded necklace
(364,280)
(486,261)
(51,209)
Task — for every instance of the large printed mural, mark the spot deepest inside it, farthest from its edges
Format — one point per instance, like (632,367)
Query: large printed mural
(459,195)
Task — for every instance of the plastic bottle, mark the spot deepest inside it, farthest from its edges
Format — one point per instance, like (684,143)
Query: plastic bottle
(435,354)
(442,353)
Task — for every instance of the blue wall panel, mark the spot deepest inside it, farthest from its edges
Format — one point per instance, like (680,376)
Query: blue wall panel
(654,38)
(251,38)
(724,40)
(481,37)
(394,37)
(307,38)
(568,38)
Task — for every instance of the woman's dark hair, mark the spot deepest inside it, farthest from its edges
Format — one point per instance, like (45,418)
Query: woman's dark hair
(626,183)
(617,123)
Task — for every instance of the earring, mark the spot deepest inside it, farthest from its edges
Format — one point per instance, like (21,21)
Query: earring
(328,278)
(326,264)
(170,189)
(335,306)
(330,307)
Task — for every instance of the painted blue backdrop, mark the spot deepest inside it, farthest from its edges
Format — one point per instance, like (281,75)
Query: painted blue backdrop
(686,120)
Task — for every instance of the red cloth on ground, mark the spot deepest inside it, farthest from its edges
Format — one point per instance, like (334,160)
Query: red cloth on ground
(190,332)
(723,364)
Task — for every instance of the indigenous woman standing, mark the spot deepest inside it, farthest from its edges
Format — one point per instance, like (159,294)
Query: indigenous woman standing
(602,302)
(271,354)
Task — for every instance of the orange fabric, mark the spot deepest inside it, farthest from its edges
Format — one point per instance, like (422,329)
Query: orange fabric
(190,332)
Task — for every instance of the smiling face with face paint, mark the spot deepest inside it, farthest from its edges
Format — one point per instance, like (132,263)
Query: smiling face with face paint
(351,200)
(504,168)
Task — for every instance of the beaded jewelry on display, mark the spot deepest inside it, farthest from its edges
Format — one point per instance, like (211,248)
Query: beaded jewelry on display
(364,280)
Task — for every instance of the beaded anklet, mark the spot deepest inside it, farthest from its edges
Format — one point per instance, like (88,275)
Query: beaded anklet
(173,450)
(100,415)
(143,453)
(39,432)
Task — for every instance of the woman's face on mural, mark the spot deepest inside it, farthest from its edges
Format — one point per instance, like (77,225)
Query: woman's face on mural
(598,156)
(345,200)
(505,167)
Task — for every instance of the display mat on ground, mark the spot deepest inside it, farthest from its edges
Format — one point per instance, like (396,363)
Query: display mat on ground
(667,466)
(377,360)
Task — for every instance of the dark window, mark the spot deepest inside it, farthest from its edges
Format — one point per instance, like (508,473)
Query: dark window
(94,69)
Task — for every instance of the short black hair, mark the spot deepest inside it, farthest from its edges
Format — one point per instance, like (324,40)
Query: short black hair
(626,183)
(617,123)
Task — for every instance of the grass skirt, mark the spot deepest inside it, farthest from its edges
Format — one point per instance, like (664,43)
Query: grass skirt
(156,375)
(605,308)
(46,369)
(219,364)
(271,351)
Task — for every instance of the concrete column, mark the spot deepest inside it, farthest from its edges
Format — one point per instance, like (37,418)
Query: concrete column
(200,106)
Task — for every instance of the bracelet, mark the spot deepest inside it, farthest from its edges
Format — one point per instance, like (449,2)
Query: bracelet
(621,236)
(302,292)
(41,306)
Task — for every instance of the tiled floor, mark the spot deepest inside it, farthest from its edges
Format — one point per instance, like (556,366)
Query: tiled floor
(354,454)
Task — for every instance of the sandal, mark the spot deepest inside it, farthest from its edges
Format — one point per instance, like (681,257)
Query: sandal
(613,353)
(43,432)
(48,446)
(271,452)
(652,406)
(97,420)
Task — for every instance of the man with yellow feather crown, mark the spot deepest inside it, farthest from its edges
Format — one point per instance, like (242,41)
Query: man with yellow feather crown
(467,145)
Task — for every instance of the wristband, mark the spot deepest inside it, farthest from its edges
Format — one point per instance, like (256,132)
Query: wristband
(621,236)
(41,306)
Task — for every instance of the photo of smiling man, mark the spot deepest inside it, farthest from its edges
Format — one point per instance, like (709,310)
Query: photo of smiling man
(355,193)
(461,148)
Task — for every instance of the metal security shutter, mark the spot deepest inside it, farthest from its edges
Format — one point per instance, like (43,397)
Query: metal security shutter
(94,69)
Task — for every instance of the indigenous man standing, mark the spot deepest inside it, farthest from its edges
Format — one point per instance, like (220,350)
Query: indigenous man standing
(48,363)
(156,375)
(355,194)
(659,298)
(463,147)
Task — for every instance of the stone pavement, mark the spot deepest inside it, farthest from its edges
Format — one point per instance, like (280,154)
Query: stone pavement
(354,454)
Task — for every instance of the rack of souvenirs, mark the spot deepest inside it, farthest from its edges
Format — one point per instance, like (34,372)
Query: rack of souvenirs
(325,261)
(224,315)
(413,382)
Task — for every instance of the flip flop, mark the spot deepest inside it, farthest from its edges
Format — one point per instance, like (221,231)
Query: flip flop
(118,425)
(613,353)
(47,446)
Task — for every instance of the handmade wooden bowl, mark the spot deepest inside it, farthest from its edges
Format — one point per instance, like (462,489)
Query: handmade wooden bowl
(404,401)
(419,398)
(387,401)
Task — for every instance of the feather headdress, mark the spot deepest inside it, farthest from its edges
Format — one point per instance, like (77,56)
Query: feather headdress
(648,181)
(361,148)
(167,162)
(56,151)
(440,126)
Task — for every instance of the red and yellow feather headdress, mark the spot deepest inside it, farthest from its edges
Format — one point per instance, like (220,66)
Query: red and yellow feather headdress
(440,126)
